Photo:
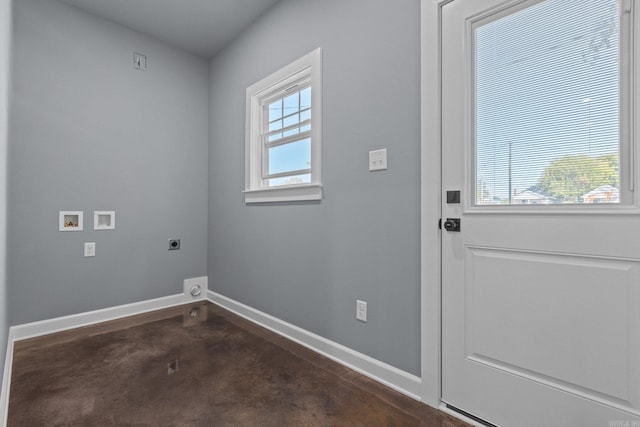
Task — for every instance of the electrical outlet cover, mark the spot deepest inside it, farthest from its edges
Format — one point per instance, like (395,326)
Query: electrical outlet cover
(190,284)
(139,61)
(378,160)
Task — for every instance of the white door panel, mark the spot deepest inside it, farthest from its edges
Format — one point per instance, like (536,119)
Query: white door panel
(524,316)
(541,304)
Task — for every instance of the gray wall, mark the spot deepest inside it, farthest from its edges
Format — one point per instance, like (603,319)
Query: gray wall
(88,132)
(308,263)
(5,44)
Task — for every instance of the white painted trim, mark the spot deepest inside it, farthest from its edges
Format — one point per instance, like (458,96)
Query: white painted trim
(6,57)
(397,379)
(307,69)
(59,324)
(284,194)
(6,380)
(431,198)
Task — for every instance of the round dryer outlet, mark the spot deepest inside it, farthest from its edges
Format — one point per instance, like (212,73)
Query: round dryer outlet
(195,291)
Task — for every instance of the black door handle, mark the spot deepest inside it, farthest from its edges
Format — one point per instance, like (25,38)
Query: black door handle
(452,224)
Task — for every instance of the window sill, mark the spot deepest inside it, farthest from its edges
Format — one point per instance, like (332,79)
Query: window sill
(297,193)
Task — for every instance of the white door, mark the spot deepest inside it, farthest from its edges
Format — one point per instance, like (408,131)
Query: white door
(541,281)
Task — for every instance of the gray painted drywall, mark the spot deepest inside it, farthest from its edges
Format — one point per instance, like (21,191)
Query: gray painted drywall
(88,132)
(5,45)
(308,263)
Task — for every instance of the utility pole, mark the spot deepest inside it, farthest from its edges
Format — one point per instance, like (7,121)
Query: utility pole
(510,190)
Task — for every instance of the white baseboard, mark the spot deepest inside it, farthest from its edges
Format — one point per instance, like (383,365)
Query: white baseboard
(44,327)
(401,381)
(397,379)
(59,324)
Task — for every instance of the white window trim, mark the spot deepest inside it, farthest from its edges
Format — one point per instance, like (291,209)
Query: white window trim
(309,66)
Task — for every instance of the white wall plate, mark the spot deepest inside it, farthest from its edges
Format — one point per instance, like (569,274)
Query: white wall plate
(70,221)
(195,288)
(104,220)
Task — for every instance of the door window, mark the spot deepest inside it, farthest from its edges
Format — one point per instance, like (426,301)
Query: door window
(547,120)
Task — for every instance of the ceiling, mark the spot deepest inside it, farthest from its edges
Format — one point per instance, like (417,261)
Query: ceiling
(199,26)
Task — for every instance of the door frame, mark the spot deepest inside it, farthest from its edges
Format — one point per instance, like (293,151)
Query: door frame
(431,195)
(431,200)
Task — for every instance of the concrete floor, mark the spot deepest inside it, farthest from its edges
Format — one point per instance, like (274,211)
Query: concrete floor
(195,365)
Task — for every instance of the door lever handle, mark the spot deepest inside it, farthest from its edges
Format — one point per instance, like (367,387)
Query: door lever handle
(452,224)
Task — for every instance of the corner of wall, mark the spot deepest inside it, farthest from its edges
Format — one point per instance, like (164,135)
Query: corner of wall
(392,377)
(5,72)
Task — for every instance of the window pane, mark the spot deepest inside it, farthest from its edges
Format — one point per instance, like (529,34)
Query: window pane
(275,125)
(292,120)
(291,103)
(290,157)
(547,105)
(275,110)
(289,180)
(305,115)
(305,98)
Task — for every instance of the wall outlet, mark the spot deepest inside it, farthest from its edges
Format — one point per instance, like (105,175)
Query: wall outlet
(196,288)
(378,160)
(90,249)
(139,61)
(361,311)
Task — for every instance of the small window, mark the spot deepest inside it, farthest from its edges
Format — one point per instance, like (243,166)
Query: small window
(284,134)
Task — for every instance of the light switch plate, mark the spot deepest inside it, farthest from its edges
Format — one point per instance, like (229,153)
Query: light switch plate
(378,160)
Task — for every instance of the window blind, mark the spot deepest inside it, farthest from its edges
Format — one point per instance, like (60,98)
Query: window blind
(547,104)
